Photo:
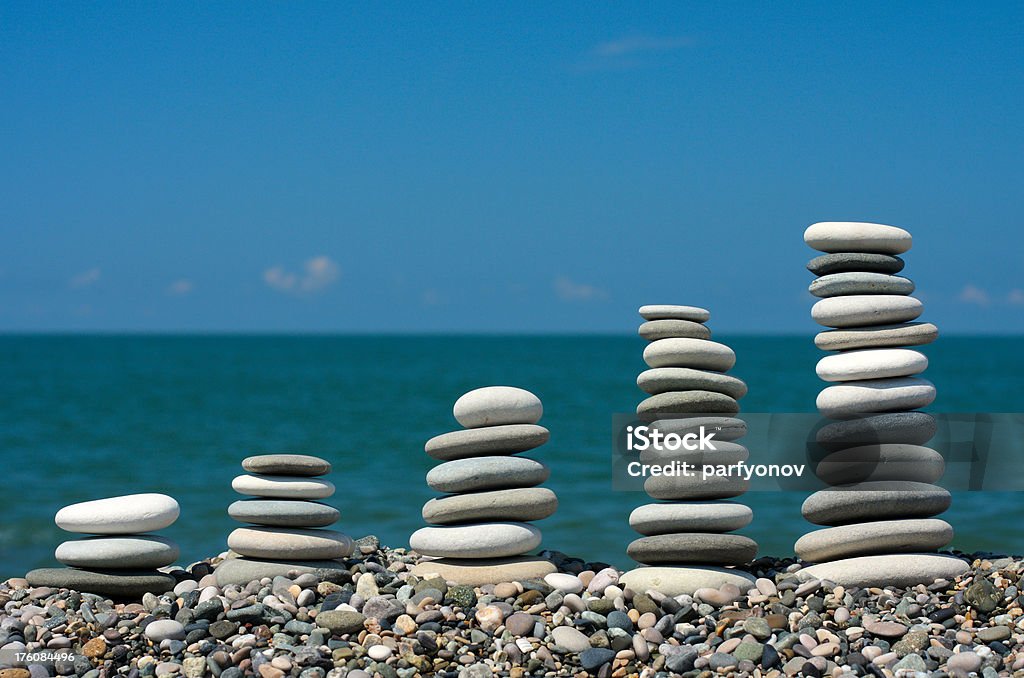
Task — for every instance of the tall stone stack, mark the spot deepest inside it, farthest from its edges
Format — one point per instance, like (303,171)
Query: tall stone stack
(120,558)
(880,508)
(686,538)
(480,529)
(286,524)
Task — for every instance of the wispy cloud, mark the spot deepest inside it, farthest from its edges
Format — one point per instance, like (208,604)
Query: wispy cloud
(637,43)
(317,274)
(972,294)
(569,290)
(180,288)
(1015,298)
(85,279)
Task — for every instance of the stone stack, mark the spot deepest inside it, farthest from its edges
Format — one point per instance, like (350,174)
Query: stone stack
(686,540)
(285,530)
(881,505)
(480,528)
(120,558)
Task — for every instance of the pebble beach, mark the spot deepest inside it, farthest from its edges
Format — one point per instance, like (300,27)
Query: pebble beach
(375,618)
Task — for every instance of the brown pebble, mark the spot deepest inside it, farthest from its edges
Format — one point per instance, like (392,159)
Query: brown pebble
(97,647)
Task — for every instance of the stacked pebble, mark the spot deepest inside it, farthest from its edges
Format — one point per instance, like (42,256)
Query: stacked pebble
(120,560)
(286,526)
(480,528)
(882,501)
(686,536)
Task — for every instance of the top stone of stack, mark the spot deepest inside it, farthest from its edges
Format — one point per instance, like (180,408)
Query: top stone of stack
(855,236)
(287,464)
(497,406)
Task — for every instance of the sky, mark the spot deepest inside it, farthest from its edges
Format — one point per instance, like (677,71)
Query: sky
(514,167)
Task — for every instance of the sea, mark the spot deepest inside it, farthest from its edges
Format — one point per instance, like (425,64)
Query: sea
(90,416)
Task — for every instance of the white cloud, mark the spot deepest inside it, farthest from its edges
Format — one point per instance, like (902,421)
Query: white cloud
(1015,298)
(317,274)
(568,290)
(85,279)
(972,294)
(180,288)
(637,43)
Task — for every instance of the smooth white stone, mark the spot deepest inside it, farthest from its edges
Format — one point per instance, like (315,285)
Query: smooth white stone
(282,543)
(129,514)
(857,236)
(902,570)
(480,540)
(875,395)
(668,517)
(701,354)
(674,581)
(876,537)
(864,310)
(872,363)
(497,405)
(290,487)
(671,312)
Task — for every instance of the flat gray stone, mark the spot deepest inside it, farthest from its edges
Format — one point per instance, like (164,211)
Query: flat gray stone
(724,428)
(862,310)
(483,571)
(482,540)
(857,236)
(701,354)
(843,262)
(497,405)
(682,402)
(670,312)
(520,504)
(115,584)
(693,547)
(128,514)
(875,395)
(283,512)
(666,379)
(283,487)
(903,570)
(672,517)
(652,330)
(241,571)
(871,363)
(889,461)
(675,581)
(911,428)
(725,452)
(136,552)
(683,488)
(875,500)
(856,282)
(476,474)
(486,442)
(286,543)
(879,336)
(287,465)
(874,538)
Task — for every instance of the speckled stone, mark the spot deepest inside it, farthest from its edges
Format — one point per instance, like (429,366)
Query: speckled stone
(486,473)
(666,379)
(487,441)
(875,500)
(241,571)
(283,512)
(856,282)
(682,402)
(287,464)
(519,504)
(119,584)
(874,538)
(843,262)
(699,354)
(652,330)
(861,310)
(693,547)
(880,336)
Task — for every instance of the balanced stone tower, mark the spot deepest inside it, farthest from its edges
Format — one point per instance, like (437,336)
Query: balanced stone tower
(881,505)
(120,560)
(286,523)
(479,529)
(686,534)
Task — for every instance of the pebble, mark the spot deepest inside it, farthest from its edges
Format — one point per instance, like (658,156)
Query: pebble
(884,536)
(700,354)
(670,312)
(486,473)
(283,512)
(497,405)
(164,629)
(128,514)
(842,262)
(856,236)
(290,543)
(486,442)
(130,552)
(874,395)
(480,540)
(871,363)
(860,310)
(287,465)
(516,504)
(652,330)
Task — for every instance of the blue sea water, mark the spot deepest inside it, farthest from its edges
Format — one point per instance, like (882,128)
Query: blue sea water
(83,417)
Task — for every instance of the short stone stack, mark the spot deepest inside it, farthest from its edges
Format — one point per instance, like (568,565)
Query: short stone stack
(480,529)
(880,509)
(120,558)
(686,540)
(285,530)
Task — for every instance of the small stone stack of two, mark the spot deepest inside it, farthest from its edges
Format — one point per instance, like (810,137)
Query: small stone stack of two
(882,501)
(286,532)
(480,529)
(686,536)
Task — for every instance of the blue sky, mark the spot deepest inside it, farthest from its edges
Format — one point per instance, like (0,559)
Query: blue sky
(515,167)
